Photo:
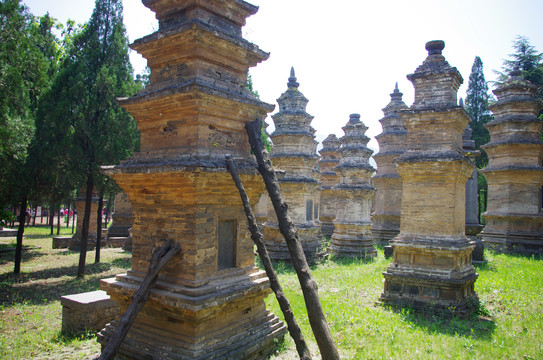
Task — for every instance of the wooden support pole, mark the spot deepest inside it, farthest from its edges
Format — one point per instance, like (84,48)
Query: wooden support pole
(308,284)
(160,257)
(256,235)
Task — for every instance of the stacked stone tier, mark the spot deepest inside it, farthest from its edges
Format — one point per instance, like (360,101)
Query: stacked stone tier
(303,203)
(329,178)
(514,217)
(209,301)
(432,267)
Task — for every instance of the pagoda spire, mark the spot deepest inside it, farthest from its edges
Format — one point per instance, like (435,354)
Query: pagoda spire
(292,83)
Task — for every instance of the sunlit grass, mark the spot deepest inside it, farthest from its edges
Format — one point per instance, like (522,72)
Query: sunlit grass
(31,314)
(507,325)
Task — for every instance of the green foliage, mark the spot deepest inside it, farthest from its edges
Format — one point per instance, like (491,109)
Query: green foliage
(476,105)
(19,71)
(528,60)
(81,120)
(505,326)
(249,86)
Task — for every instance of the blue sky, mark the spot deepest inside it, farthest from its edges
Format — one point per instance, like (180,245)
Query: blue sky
(348,54)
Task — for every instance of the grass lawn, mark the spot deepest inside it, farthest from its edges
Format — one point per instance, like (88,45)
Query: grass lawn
(508,325)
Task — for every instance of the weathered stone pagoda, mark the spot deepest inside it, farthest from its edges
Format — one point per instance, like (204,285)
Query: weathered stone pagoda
(473,227)
(431,268)
(294,152)
(75,242)
(208,302)
(387,182)
(354,193)
(514,217)
(329,178)
(119,231)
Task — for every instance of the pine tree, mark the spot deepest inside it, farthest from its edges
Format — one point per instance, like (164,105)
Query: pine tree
(90,127)
(476,105)
(526,59)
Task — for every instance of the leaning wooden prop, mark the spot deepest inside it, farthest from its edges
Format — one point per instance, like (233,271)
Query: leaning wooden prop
(308,284)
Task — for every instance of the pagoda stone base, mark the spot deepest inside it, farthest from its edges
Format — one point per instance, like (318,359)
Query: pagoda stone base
(385,227)
(352,240)
(75,243)
(523,244)
(327,226)
(277,245)
(432,276)
(223,319)
(520,234)
(383,236)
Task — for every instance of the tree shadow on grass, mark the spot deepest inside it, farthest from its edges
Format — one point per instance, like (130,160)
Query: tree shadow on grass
(28,254)
(30,288)
(478,325)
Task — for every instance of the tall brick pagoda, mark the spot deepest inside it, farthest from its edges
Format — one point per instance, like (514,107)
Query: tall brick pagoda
(432,269)
(294,152)
(354,193)
(514,216)
(329,178)
(209,300)
(387,182)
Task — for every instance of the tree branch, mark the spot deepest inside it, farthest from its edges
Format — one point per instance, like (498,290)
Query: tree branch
(293,328)
(288,229)
(160,257)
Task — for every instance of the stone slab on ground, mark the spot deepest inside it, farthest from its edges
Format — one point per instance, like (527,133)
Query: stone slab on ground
(5,232)
(61,242)
(87,311)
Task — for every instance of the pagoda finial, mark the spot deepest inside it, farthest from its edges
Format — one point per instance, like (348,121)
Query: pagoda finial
(435,47)
(292,79)
(396,94)
(516,72)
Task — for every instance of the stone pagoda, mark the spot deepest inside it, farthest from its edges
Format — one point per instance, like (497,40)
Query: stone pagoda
(387,182)
(209,299)
(354,193)
(75,242)
(514,217)
(431,268)
(473,227)
(329,178)
(294,154)
(119,231)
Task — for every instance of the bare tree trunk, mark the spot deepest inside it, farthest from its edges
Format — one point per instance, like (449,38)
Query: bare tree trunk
(58,220)
(20,232)
(34,216)
(308,284)
(160,257)
(73,217)
(85,231)
(293,328)
(99,227)
(51,218)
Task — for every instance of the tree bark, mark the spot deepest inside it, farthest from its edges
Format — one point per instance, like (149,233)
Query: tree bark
(292,325)
(308,284)
(51,218)
(160,257)
(20,232)
(73,217)
(85,230)
(58,220)
(99,227)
